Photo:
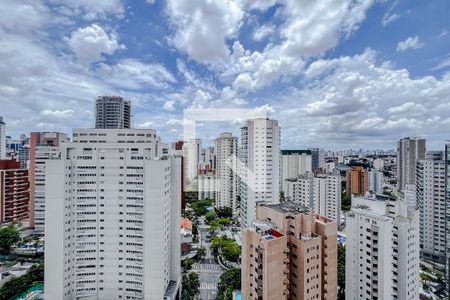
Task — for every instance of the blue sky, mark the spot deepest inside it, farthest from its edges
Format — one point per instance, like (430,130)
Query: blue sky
(336,74)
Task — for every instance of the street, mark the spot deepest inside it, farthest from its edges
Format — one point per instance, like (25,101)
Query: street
(208,269)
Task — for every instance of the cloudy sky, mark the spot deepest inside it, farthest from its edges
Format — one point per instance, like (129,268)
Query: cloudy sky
(335,73)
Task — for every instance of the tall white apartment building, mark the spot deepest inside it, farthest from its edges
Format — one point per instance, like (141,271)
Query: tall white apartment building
(378,164)
(322,193)
(43,146)
(192,158)
(409,151)
(382,251)
(431,200)
(207,186)
(226,150)
(2,139)
(260,166)
(376,181)
(207,159)
(112,112)
(112,226)
(447,215)
(294,163)
(330,166)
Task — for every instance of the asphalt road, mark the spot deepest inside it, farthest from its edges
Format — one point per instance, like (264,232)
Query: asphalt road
(208,270)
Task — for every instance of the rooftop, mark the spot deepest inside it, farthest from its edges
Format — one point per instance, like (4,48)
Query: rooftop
(289,207)
(289,152)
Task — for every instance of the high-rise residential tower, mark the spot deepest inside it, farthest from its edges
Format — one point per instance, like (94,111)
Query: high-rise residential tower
(376,181)
(382,250)
(357,181)
(431,200)
(289,253)
(317,158)
(14,192)
(226,150)
(2,139)
(447,214)
(192,157)
(259,165)
(294,163)
(43,146)
(321,192)
(112,227)
(112,112)
(409,151)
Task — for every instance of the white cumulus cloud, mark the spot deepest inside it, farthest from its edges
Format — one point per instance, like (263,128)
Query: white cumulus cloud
(91,42)
(409,43)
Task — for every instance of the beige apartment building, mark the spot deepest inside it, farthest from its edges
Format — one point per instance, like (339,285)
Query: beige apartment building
(289,253)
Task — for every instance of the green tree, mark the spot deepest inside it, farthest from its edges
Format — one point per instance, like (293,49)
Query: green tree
(187,263)
(341,272)
(210,216)
(22,283)
(191,286)
(9,236)
(224,212)
(346,202)
(230,280)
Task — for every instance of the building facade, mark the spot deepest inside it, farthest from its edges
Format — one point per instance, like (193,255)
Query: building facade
(294,163)
(409,151)
(112,226)
(259,166)
(207,182)
(112,112)
(322,193)
(431,200)
(382,250)
(447,214)
(43,146)
(357,181)
(376,179)
(317,158)
(14,192)
(226,152)
(289,253)
(192,158)
(2,139)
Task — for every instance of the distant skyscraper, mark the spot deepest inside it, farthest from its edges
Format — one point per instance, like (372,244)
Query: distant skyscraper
(382,251)
(112,112)
(14,192)
(226,150)
(2,139)
(260,168)
(376,181)
(409,151)
(112,229)
(43,146)
(322,193)
(192,157)
(317,158)
(357,181)
(431,202)
(294,163)
(289,253)
(207,159)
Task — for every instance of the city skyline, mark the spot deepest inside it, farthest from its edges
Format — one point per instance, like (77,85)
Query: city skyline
(376,73)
